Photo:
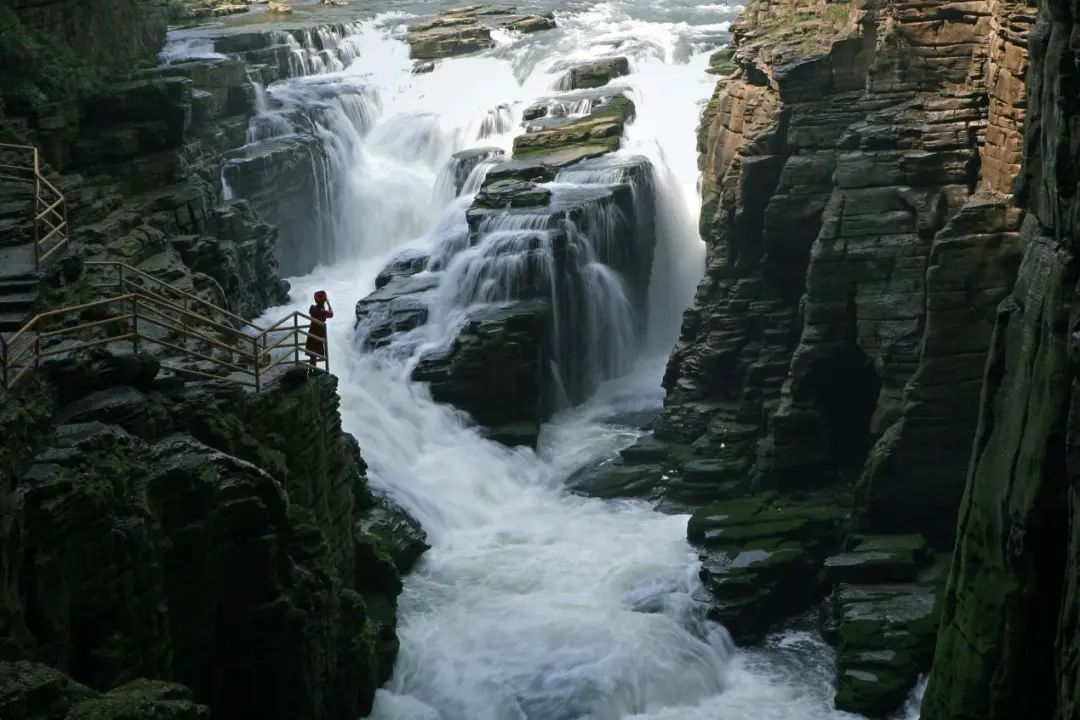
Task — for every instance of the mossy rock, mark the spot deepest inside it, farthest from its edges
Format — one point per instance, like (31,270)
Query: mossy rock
(616,480)
(885,636)
(142,700)
(30,691)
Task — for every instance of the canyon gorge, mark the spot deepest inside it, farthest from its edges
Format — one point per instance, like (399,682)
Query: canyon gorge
(690,360)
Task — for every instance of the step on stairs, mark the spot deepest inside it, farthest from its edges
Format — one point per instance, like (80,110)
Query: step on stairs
(19,287)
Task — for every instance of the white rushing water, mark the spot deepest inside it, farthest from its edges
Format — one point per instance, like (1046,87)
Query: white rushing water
(533,603)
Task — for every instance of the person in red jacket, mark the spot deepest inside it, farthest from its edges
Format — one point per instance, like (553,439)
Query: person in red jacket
(316,339)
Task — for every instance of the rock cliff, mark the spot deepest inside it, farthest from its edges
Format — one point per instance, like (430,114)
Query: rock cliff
(205,535)
(1009,640)
(859,166)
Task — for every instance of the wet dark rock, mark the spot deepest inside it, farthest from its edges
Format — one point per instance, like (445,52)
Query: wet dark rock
(616,480)
(594,74)
(404,264)
(885,640)
(398,306)
(544,168)
(31,691)
(495,369)
(601,128)
(259,172)
(878,559)
(462,163)
(511,193)
(516,434)
(761,557)
(644,450)
(82,372)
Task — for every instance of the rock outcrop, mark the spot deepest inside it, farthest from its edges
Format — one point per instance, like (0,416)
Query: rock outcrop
(1009,640)
(467,29)
(204,535)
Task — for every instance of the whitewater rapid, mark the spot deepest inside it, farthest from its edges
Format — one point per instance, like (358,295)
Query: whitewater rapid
(533,603)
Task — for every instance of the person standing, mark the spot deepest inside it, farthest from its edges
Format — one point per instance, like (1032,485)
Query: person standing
(316,339)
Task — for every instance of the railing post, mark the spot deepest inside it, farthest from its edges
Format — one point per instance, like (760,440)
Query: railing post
(258,362)
(37,350)
(4,361)
(296,338)
(135,323)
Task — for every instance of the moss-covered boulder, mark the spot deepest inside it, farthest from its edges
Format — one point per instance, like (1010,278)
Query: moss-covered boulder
(594,74)
(601,129)
(617,480)
(762,557)
(885,638)
(878,559)
(30,691)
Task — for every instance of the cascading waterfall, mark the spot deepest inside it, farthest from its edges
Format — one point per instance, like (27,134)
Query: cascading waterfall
(322,50)
(533,604)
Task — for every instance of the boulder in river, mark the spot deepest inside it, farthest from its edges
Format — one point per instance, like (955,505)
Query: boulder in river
(885,640)
(467,29)
(762,555)
(594,74)
(496,368)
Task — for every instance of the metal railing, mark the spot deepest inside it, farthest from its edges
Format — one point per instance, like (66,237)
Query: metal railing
(243,351)
(51,229)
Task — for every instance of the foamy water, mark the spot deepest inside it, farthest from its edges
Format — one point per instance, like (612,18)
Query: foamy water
(533,603)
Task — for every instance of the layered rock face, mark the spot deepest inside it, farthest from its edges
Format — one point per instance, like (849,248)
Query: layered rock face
(204,535)
(1009,642)
(858,167)
(856,172)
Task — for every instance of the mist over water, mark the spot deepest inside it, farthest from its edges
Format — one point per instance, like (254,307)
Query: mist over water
(533,603)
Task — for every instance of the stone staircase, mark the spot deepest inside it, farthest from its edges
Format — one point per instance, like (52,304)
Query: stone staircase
(20,285)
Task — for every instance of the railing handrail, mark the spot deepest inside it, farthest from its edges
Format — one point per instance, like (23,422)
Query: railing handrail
(254,360)
(123,268)
(55,204)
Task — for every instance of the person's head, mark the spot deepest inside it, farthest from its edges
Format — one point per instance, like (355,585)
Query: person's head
(320,297)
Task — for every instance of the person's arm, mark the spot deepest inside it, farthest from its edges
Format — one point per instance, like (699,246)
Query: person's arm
(329,310)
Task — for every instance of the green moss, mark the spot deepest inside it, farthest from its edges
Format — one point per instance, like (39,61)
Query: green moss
(722,62)
(37,70)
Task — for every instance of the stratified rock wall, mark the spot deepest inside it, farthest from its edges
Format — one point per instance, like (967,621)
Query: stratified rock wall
(856,170)
(1010,637)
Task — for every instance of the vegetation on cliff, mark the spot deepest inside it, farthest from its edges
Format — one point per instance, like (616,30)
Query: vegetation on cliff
(36,69)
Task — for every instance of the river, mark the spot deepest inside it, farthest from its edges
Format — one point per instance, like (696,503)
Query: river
(533,602)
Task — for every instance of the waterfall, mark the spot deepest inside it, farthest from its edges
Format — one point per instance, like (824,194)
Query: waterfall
(322,50)
(533,603)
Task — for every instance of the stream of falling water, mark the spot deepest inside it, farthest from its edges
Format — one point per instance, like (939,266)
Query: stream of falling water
(533,603)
